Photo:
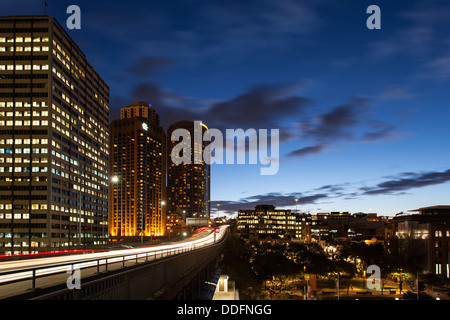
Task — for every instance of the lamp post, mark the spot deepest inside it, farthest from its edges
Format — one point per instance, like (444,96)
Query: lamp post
(115,180)
(79,218)
(296,201)
(214,224)
(337,286)
(163,203)
(183,219)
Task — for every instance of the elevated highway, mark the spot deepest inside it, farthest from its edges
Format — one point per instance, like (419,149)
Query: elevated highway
(171,271)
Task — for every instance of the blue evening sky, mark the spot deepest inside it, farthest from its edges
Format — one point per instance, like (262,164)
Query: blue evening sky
(363,114)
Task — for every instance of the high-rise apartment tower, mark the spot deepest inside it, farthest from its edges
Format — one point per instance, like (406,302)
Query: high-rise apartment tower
(138,170)
(188,185)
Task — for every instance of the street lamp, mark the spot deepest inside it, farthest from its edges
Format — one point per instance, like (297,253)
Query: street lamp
(79,216)
(296,201)
(183,219)
(114,180)
(163,203)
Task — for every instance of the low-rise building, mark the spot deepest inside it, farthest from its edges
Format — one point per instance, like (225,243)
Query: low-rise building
(422,240)
(357,227)
(267,222)
(175,225)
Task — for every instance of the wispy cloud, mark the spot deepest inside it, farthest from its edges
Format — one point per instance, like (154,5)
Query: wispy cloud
(396,185)
(273,106)
(423,38)
(301,152)
(407,181)
(263,106)
(149,65)
(396,92)
(279,200)
(351,122)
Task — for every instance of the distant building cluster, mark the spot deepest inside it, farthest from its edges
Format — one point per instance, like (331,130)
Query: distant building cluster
(267,223)
(419,239)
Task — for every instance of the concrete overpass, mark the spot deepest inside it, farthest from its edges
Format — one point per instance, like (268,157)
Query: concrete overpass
(175,272)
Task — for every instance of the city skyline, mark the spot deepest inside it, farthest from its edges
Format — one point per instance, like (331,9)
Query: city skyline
(361,112)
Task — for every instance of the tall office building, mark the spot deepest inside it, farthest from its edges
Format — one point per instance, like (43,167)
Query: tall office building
(188,185)
(54,117)
(138,171)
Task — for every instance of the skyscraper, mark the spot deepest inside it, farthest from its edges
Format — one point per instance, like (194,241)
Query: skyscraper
(138,171)
(54,117)
(188,185)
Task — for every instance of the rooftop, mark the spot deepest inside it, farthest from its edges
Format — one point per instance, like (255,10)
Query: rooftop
(439,207)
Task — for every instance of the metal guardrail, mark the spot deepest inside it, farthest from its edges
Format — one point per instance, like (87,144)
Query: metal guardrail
(33,273)
(159,279)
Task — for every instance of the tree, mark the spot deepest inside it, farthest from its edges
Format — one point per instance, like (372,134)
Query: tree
(347,272)
(273,266)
